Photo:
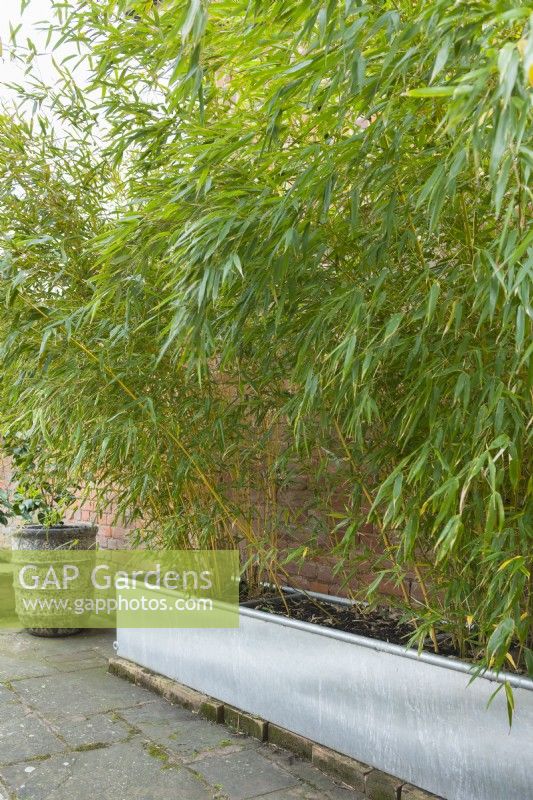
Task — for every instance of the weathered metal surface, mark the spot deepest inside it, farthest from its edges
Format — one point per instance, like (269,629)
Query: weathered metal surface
(413,717)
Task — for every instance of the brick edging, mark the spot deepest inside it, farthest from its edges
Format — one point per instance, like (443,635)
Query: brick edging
(374,783)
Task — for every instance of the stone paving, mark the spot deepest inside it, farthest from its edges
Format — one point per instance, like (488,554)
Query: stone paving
(71,731)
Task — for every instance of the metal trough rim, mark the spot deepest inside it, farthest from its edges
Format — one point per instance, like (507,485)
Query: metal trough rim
(445,662)
(516,681)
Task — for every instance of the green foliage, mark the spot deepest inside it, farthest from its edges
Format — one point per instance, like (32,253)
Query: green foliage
(36,498)
(285,236)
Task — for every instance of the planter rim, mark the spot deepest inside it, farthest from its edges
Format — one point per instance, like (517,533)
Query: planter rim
(516,681)
(68,526)
(446,662)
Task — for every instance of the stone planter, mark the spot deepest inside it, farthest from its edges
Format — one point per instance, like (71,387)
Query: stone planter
(411,716)
(75,536)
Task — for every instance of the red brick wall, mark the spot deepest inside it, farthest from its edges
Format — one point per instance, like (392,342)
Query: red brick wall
(316,573)
(111,535)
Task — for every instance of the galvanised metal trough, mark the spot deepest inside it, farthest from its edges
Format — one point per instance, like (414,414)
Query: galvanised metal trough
(412,716)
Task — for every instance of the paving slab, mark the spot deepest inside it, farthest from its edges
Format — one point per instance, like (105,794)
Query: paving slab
(71,731)
(91,691)
(119,772)
(318,781)
(89,660)
(23,736)
(19,642)
(296,793)
(155,711)
(245,775)
(24,656)
(14,668)
(179,732)
(94,730)
(9,703)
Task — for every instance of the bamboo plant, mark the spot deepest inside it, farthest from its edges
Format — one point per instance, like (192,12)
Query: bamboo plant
(272,237)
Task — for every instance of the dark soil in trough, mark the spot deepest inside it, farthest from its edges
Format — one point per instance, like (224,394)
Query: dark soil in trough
(381,622)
